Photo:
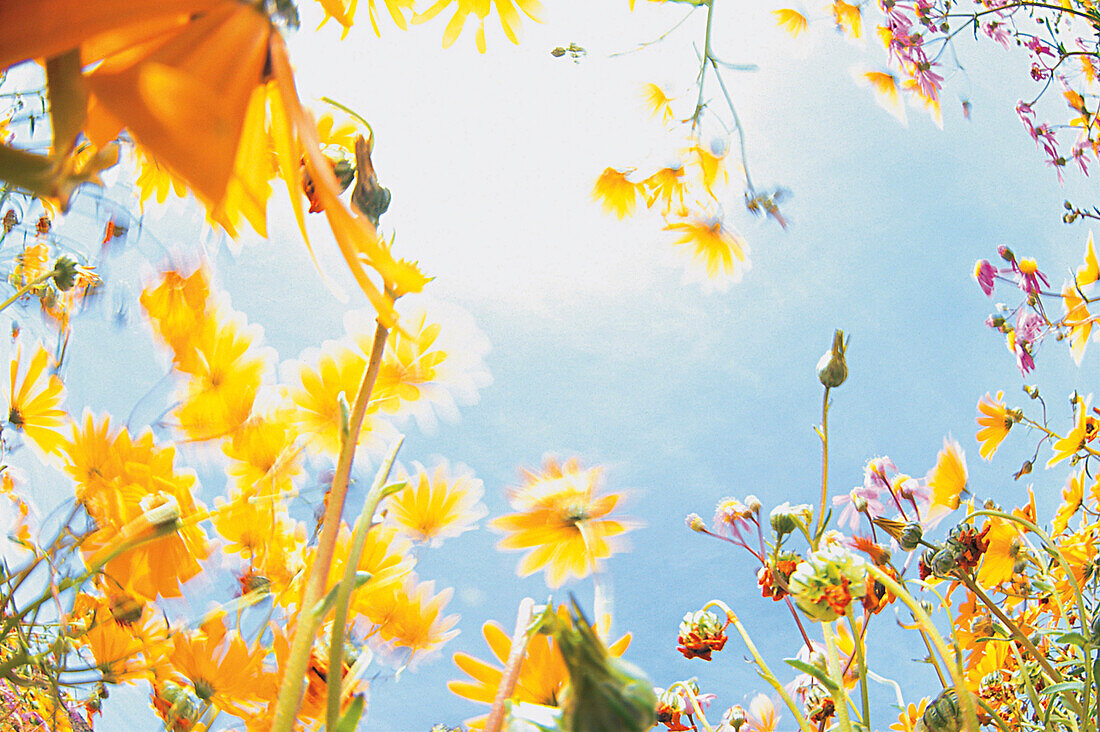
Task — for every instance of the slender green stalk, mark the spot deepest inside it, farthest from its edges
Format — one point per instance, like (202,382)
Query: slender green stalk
(824,434)
(696,707)
(949,659)
(839,695)
(290,690)
(508,678)
(857,639)
(27,288)
(347,584)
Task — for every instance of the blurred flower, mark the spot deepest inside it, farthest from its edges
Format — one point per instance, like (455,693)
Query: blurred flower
(720,253)
(790,20)
(1084,430)
(1078,319)
(848,20)
(506,9)
(996,421)
(657,102)
(762,716)
(985,273)
(562,521)
(34,403)
(220,667)
(433,507)
(910,717)
(416,622)
(947,479)
(262,455)
(1088,272)
(618,195)
(1072,497)
(541,675)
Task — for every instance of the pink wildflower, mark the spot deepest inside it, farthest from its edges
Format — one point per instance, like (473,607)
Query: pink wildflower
(1029,276)
(998,31)
(860,499)
(1039,48)
(984,273)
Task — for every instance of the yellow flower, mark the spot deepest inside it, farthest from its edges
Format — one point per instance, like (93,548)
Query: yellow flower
(436,506)
(657,102)
(720,252)
(415,620)
(667,185)
(947,478)
(1088,272)
(761,716)
(262,455)
(790,20)
(1079,321)
(154,180)
(220,667)
(999,559)
(910,716)
(995,423)
(506,9)
(619,195)
(343,12)
(885,86)
(34,403)
(541,675)
(712,168)
(177,307)
(561,521)
(1084,429)
(225,375)
(848,19)
(335,373)
(1072,497)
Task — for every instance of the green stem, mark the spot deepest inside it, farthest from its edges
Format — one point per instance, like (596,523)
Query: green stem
(949,660)
(696,707)
(839,695)
(703,66)
(824,433)
(26,288)
(290,689)
(347,584)
(857,639)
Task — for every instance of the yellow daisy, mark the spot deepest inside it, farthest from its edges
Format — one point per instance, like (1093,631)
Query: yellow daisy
(1084,429)
(790,20)
(416,622)
(1078,320)
(948,477)
(34,403)
(561,521)
(262,455)
(657,102)
(996,421)
(436,506)
(541,676)
(999,559)
(1088,272)
(618,195)
(720,252)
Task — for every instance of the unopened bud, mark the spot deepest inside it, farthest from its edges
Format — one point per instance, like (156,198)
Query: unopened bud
(1024,470)
(1006,253)
(832,369)
(695,522)
(911,536)
(752,503)
(783,520)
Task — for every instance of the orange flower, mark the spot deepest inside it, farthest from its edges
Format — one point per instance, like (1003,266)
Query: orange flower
(618,195)
(721,253)
(220,667)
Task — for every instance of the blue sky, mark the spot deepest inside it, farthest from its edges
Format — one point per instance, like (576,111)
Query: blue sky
(601,351)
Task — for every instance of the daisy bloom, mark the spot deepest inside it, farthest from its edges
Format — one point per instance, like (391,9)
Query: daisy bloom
(657,102)
(220,667)
(1079,321)
(177,306)
(262,455)
(1030,276)
(618,195)
(910,717)
(1088,272)
(510,19)
(1073,495)
(790,20)
(985,273)
(1084,430)
(541,675)
(561,521)
(415,621)
(762,716)
(848,19)
(995,421)
(436,506)
(720,253)
(947,479)
(34,403)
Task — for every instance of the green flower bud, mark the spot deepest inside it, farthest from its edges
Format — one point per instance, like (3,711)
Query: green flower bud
(832,369)
(782,520)
(911,536)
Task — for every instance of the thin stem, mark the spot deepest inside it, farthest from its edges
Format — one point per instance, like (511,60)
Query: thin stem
(27,288)
(839,694)
(736,123)
(857,638)
(703,67)
(824,433)
(290,690)
(520,638)
(347,584)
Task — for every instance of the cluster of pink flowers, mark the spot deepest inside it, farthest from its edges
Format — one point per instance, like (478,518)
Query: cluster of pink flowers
(906,44)
(882,482)
(1022,338)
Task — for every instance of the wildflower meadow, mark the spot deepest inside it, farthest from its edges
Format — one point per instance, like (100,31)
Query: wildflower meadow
(578,367)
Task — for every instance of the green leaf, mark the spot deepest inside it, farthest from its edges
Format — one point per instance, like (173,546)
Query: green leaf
(1075,638)
(393,488)
(1064,686)
(813,671)
(350,719)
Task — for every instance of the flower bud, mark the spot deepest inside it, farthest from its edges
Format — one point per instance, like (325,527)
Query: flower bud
(911,536)
(827,581)
(695,522)
(64,273)
(782,520)
(1006,253)
(832,369)
(735,718)
(752,503)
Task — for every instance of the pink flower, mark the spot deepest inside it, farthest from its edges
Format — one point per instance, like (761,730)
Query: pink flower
(984,273)
(998,32)
(1029,276)
(860,499)
(1039,48)
(1078,155)
(1028,326)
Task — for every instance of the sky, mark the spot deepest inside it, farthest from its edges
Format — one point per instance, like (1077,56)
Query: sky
(599,349)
